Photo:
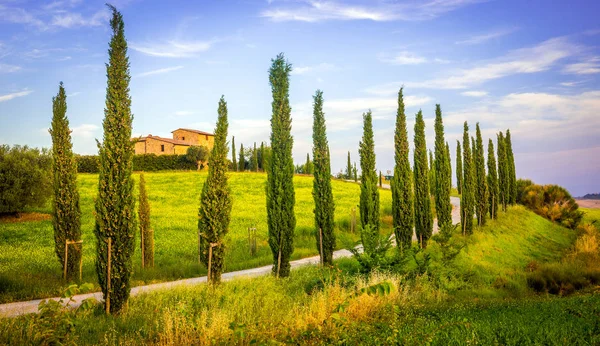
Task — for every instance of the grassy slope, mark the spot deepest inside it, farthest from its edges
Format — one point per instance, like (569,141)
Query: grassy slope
(29,268)
(591,215)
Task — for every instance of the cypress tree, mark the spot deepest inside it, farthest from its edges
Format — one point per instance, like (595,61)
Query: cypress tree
(492,182)
(431,174)
(255,158)
(280,185)
(349,169)
(146,232)
(468,189)
(511,172)
(115,204)
(449,181)
(369,193)
(262,156)
(241,160)
(215,201)
(233,157)
(502,171)
(65,205)
(401,184)
(308,166)
(459,168)
(481,198)
(380,180)
(322,193)
(443,174)
(355,171)
(423,216)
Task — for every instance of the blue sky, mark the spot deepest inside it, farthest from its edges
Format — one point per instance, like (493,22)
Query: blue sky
(531,66)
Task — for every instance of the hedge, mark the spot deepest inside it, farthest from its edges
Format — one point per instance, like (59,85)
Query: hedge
(144,162)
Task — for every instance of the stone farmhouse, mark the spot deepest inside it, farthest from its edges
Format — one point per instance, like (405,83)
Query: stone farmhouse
(178,145)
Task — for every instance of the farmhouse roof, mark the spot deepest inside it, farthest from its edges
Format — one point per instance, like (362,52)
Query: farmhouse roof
(194,131)
(162,139)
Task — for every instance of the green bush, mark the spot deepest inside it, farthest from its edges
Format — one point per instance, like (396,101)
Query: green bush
(562,279)
(25,178)
(552,202)
(144,162)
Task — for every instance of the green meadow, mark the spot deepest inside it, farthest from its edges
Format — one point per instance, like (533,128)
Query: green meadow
(30,269)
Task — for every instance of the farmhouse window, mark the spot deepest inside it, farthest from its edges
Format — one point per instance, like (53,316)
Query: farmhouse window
(183,138)
(162,147)
(206,137)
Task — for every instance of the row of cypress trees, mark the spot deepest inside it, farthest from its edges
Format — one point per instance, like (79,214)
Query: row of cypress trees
(257,161)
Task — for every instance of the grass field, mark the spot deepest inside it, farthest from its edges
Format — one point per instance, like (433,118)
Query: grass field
(30,269)
(305,307)
(591,216)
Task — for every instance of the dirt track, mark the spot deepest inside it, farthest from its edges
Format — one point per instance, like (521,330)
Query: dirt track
(589,203)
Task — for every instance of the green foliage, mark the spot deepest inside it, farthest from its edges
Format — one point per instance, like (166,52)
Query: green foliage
(241,159)
(467,202)
(280,173)
(261,156)
(65,205)
(308,166)
(492,182)
(234,163)
(355,171)
(443,174)
(554,203)
(423,215)
(459,168)
(481,189)
(141,163)
(146,232)
(401,184)
(255,159)
(503,175)
(511,172)
(195,154)
(562,279)
(373,254)
(522,184)
(25,178)
(322,192)
(214,214)
(369,193)
(349,168)
(115,204)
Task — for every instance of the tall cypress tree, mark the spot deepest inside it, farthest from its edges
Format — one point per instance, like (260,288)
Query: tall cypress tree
(468,189)
(443,175)
(233,157)
(423,216)
(146,233)
(280,185)
(492,182)
(431,174)
(502,171)
(215,203)
(355,171)
(511,173)
(322,193)
(261,162)
(369,193)
(65,205)
(308,165)
(349,169)
(459,168)
(481,198)
(255,158)
(115,204)
(242,159)
(401,184)
(449,181)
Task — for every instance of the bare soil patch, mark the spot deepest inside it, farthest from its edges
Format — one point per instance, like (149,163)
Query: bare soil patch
(25,217)
(589,203)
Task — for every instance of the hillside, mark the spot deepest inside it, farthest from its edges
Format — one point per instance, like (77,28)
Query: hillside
(30,268)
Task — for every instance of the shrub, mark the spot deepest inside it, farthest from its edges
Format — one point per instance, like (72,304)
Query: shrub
(87,163)
(144,162)
(554,203)
(25,178)
(197,153)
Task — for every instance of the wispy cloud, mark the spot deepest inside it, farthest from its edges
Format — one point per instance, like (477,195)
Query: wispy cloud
(173,49)
(474,93)
(71,20)
(315,68)
(317,10)
(20,16)
(53,15)
(74,94)
(482,38)
(5,68)
(9,97)
(85,130)
(590,66)
(402,58)
(160,71)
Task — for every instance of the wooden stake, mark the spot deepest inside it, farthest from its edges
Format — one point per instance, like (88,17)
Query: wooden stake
(210,247)
(321,242)
(80,260)
(66,258)
(108,278)
(143,247)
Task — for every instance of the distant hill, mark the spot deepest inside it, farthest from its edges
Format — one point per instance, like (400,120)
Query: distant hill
(591,196)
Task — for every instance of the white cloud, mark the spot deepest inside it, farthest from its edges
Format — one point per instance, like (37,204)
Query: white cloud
(316,10)
(474,93)
(74,94)
(173,49)
(403,58)
(5,68)
(160,71)
(591,66)
(84,130)
(183,113)
(478,39)
(20,16)
(571,84)
(299,70)
(71,20)
(9,97)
